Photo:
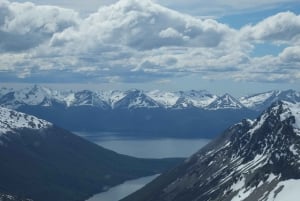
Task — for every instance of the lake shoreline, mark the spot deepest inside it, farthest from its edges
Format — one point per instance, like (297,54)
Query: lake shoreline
(130,135)
(120,191)
(151,148)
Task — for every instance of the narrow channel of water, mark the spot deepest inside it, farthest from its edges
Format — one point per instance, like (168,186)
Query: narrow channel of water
(146,148)
(142,148)
(118,192)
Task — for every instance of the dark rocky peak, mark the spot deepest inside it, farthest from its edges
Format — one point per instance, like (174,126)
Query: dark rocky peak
(136,99)
(225,102)
(252,160)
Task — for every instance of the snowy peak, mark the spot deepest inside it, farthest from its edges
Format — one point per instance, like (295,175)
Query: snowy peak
(183,99)
(46,97)
(182,103)
(5,90)
(252,160)
(262,101)
(225,102)
(111,97)
(88,98)
(136,99)
(167,99)
(291,110)
(11,120)
(200,99)
(35,95)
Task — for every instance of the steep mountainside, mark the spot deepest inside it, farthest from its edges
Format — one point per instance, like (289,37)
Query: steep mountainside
(135,99)
(225,102)
(194,113)
(262,101)
(252,160)
(43,162)
(5,197)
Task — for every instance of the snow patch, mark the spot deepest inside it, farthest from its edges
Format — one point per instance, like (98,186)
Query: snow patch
(11,120)
(285,191)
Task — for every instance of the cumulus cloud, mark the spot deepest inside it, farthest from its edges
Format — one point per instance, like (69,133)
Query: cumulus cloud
(222,7)
(281,28)
(143,25)
(25,25)
(136,41)
(291,55)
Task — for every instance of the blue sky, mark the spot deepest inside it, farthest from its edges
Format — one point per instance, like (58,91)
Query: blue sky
(231,46)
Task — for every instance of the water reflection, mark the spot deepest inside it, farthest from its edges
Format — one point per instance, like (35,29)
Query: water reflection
(147,148)
(118,192)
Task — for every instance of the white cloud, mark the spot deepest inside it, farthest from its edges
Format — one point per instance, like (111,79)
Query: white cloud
(194,7)
(281,28)
(136,41)
(25,25)
(171,33)
(222,7)
(144,25)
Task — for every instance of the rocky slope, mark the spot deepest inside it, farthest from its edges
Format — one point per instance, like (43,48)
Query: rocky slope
(250,161)
(43,162)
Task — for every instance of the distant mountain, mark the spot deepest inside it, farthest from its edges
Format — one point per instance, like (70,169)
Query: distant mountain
(194,113)
(88,98)
(225,102)
(250,161)
(262,101)
(193,98)
(167,99)
(131,99)
(43,162)
(135,99)
(183,99)
(34,96)
(5,197)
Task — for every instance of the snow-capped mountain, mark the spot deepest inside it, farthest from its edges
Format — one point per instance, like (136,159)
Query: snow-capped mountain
(111,97)
(225,102)
(136,99)
(250,161)
(5,197)
(35,95)
(262,101)
(43,96)
(183,99)
(193,98)
(167,99)
(43,162)
(11,120)
(5,90)
(88,98)
(130,99)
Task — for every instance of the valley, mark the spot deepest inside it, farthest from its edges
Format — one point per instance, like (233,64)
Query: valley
(148,100)
(138,126)
(140,114)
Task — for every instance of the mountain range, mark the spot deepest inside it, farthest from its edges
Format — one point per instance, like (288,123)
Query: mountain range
(250,161)
(194,113)
(133,99)
(43,162)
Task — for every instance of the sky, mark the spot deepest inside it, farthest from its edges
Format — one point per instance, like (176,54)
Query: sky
(235,46)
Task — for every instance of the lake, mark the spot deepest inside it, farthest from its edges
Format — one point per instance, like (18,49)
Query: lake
(143,148)
(118,192)
(146,148)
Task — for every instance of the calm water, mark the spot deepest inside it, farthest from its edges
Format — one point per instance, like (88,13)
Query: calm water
(118,192)
(147,148)
(143,148)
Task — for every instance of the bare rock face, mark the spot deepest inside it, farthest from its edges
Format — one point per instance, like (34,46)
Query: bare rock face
(250,161)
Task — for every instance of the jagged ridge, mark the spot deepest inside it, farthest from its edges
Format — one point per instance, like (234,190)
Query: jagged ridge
(252,160)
